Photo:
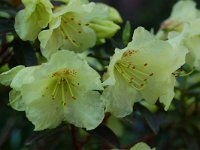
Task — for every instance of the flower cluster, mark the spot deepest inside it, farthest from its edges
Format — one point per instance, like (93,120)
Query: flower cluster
(76,25)
(67,89)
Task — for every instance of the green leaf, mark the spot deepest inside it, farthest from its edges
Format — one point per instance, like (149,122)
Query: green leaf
(149,117)
(106,134)
(191,142)
(36,136)
(126,34)
(24,53)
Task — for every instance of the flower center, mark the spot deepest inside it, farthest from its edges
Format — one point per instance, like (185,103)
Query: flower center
(64,85)
(135,75)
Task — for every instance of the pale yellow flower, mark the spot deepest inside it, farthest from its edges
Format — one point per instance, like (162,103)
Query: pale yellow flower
(185,17)
(77,26)
(63,89)
(143,70)
(33,18)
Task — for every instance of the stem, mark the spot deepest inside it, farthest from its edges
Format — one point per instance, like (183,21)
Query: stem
(74,138)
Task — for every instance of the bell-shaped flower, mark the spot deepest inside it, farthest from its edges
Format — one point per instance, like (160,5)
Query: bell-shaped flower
(34,17)
(63,89)
(75,26)
(142,70)
(68,29)
(185,14)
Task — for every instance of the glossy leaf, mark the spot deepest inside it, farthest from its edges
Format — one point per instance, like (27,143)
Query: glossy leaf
(150,118)
(106,134)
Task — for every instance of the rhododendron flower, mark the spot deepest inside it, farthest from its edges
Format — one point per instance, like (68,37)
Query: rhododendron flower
(75,26)
(185,14)
(142,70)
(34,17)
(57,91)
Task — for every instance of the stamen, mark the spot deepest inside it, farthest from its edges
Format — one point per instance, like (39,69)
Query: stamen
(184,74)
(132,83)
(128,64)
(135,77)
(70,90)
(66,34)
(64,84)
(128,53)
(72,26)
(55,89)
(151,74)
(132,73)
(63,92)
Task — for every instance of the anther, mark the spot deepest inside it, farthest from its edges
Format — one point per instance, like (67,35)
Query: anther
(151,74)
(73,97)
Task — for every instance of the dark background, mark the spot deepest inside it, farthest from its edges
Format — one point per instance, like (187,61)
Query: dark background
(146,13)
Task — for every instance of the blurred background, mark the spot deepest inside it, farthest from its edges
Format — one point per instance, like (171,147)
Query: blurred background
(176,129)
(146,13)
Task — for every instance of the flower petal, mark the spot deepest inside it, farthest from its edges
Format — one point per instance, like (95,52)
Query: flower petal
(86,111)
(23,77)
(30,21)
(16,101)
(117,102)
(193,57)
(40,109)
(7,77)
(74,62)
